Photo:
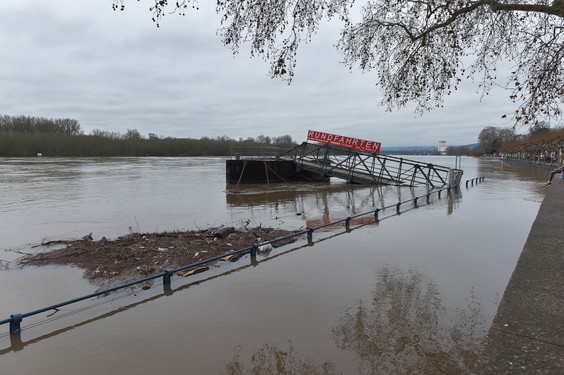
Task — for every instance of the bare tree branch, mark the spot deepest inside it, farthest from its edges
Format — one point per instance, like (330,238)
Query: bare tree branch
(421,49)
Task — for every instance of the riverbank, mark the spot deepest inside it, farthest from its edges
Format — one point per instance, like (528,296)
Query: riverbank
(544,165)
(527,334)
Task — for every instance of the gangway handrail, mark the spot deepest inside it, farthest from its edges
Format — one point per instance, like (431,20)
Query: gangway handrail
(363,152)
(351,165)
(15,319)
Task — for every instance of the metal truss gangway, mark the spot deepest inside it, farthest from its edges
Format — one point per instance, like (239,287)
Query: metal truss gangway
(364,167)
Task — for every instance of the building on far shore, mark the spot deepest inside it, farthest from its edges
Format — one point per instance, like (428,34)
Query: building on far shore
(442,147)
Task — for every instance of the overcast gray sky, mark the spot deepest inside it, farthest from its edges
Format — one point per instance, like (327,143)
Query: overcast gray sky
(116,71)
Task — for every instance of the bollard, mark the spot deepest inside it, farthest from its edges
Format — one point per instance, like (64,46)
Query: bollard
(439,194)
(415,202)
(348,223)
(466,183)
(428,196)
(398,208)
(376,214)
(15,323)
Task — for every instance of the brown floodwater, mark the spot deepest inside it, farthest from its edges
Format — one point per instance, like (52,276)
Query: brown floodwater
(413,293)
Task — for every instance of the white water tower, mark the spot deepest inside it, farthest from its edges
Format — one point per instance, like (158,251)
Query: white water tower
(442,147)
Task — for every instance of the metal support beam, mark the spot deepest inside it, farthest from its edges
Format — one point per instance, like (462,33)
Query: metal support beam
(368,168)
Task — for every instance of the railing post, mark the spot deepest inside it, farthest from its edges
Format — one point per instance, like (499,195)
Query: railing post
(166,277)
(167,290)
(439,194)
(348,223)
(415,202)
(16,343)
(15,321)
(398,207)
(376,215)
(310,234)
(253,254)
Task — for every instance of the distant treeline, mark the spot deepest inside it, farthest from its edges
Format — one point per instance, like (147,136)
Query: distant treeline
(459,150)
(38,125)
(30,136)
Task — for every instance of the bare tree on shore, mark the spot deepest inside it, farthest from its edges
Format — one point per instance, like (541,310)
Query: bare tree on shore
(421,49)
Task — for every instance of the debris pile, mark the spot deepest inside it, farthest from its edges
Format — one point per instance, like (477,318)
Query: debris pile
(137,255)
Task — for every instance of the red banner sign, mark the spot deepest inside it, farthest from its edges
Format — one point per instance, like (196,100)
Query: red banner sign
(339,140)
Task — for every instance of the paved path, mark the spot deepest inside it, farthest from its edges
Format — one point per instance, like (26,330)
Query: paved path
(527,334)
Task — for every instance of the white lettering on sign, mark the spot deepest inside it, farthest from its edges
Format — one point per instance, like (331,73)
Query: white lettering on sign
(339,140)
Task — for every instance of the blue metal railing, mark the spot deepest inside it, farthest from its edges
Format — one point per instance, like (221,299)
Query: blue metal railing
(15,319)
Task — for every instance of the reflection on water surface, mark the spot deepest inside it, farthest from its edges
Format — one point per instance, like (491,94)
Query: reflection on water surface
(404,328)
(271,359)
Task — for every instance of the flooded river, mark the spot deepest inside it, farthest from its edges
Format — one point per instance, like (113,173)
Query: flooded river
(413,293)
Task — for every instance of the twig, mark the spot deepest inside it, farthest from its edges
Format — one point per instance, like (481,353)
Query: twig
(136,223)
(56,310)
(196,225)
(19,252)
(49,243)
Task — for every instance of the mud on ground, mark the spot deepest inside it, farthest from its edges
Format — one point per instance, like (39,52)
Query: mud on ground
(135,256)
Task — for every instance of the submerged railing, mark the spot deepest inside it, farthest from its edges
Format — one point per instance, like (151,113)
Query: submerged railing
(15,319)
